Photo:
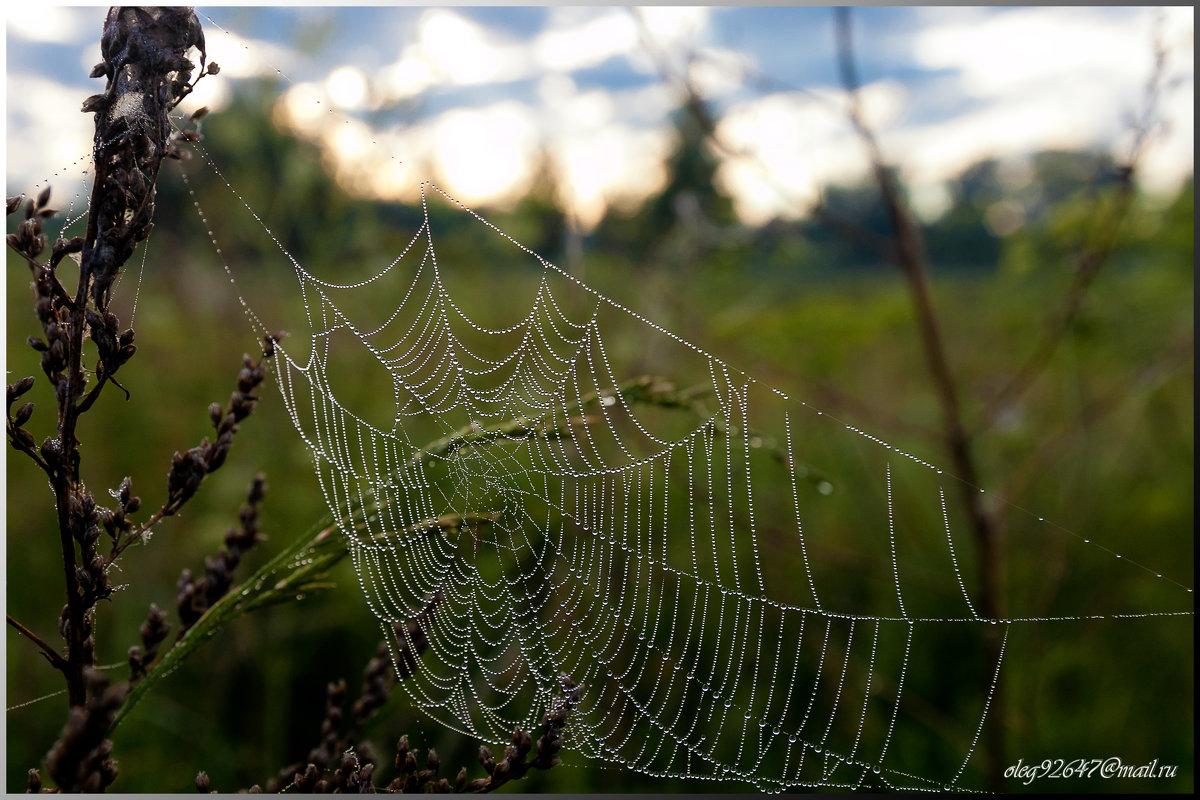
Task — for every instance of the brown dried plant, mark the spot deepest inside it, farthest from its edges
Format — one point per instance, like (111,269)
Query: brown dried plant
(148,67)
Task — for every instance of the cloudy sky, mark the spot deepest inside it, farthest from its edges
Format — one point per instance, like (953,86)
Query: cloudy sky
(474,97)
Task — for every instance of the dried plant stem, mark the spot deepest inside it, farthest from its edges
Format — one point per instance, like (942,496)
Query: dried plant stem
(56,659)
(908,253)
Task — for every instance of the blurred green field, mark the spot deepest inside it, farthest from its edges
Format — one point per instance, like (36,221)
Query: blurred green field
(1102,444)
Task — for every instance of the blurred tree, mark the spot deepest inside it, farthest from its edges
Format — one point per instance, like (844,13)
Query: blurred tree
(690,212)
(538,220)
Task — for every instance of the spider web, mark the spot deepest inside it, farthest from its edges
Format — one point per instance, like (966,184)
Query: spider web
(547,492)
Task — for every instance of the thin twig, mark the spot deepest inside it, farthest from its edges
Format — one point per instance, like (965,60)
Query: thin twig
(1095,251)
(55,658)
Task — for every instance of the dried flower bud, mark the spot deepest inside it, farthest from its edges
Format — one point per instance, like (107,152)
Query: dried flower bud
(485,758)
(19,388)
(247,380)
(95,103)
(43,197)
(432,761)
(23,414)
(23,440)
(187,471)
(154,630)
(12,205)
(214,68)
(203,784)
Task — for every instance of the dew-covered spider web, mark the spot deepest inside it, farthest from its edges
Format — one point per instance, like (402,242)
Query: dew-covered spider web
(549,498)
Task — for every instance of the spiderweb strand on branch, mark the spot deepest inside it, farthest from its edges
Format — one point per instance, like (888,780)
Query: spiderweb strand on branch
(546,512)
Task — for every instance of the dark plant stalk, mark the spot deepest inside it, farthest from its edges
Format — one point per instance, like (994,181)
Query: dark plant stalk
(146,64)
(908,253)
(145,52)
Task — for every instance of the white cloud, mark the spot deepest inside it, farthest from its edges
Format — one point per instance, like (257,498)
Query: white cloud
(675,26)
(408,77)
(613,164)
(579,45)
(719,72)
(243,57)
(40,148)
(788,146)
(485,154)
(462,52)
(1048,78)
(40,22)
(347,87)
(1022,48)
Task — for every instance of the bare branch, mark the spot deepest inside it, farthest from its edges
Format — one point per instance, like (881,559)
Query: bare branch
(909,256)
(1096,248)
(56,660)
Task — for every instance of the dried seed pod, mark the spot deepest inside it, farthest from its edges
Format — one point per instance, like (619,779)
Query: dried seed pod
(19,388)
(136,663)
(523,741)
(485,759)
(96,102)
(23,414)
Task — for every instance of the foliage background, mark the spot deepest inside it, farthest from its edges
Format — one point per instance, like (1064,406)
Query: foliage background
(1104,440)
